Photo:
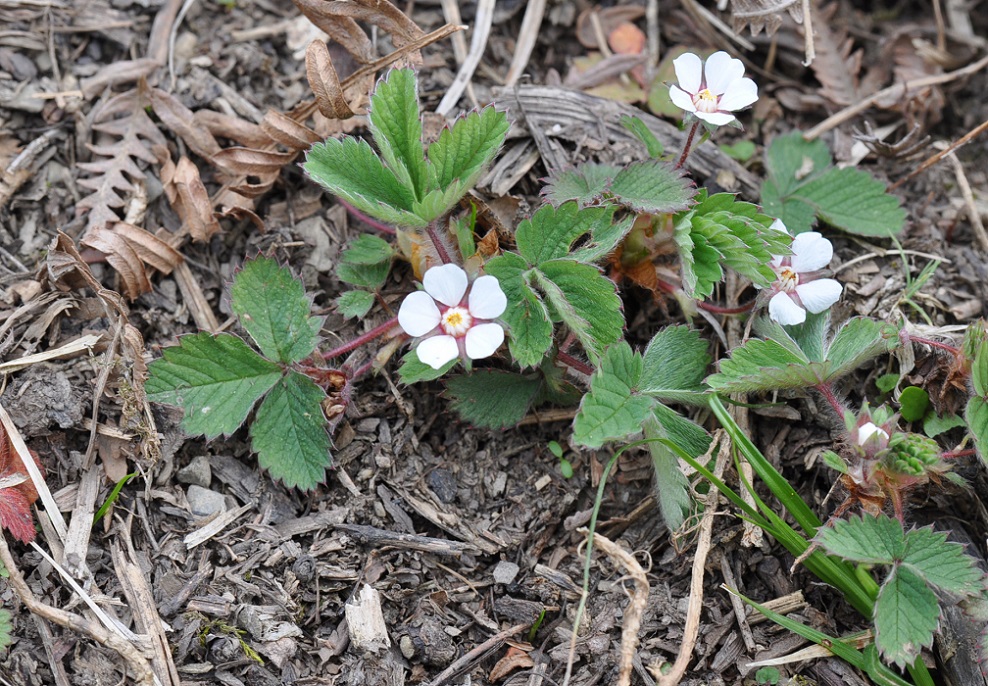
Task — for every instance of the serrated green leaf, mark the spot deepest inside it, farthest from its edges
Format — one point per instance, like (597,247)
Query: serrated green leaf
(976,416)
(273,308)
(527,317)
(652,186)
(551,232)
(215,379)
(438,202)
(355,304)
(492,399)
(672,488)
(604,239)
(860,339)
(934,425)
(794,213)
(675,362)
(289,433)
(612,409)
(413,370)
(762,365)
(396,124)
(586,300)
(367,250)
(6,629)
(371,276)
(644,134)
(868,539)
(913,403)
(979,369)
(942,563)
(586,184)
(690,437)
(855,201)
(352,170)
(906,615)
(791,160)
(463,151)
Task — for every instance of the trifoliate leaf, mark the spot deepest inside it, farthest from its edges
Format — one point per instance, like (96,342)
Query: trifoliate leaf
(367,250)
(215,379)
(906,615)
(586,184)
(396,124)
(463,151)
(585,300)
(414,370)
(289,433)
(868,539)
(652,186)
(352,170)
(527,317)
(942,563)
(551,232)
(274,310)
(613,408)
(492,399)
(675,363)
(355,304)
(644,134)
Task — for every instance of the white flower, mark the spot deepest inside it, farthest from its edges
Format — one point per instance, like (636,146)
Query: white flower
(712,99)
(450,322)
(799,287)
(867,430)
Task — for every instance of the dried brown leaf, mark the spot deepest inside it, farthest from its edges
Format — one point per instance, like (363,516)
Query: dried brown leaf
(289,132)
(338,19)
(763,14)
(181,121)
(252,162)
(325,83)
(123,258)
(65,268)
(115,73)
(151,249)
(836,67)
(188,197)
(512,660)
(248,134)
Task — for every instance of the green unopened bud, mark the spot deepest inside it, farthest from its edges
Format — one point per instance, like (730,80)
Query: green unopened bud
(913,454)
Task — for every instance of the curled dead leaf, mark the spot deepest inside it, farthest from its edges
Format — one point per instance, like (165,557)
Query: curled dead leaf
(338,18)
(252,162)
(514,659)
(181,121)
(123,258)
(325,83)
(246,133)
(289,132)
(64,268)
(188,197)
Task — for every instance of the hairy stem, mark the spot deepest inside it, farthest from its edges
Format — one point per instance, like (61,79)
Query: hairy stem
(933,344)
(827,391)
(717,309)
(438,242)
(362,339)
(574,363)
(954,454)
(370,221)
(688,145)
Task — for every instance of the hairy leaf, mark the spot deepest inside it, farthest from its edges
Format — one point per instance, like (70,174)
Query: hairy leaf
(396,124)
(672,488)
(366,249)
(868,539)
(289,433)
(587,302)
(463,151)
(690,437)
(586,184)
(414,370)
(652,186)
(942,563)
(274,309)
(371,276)
(762,365)
(551,232)
(675,363)
(613,408)
(492,399)
(355,304)
(906,615)
(527,317)
(215,379)
(604,239)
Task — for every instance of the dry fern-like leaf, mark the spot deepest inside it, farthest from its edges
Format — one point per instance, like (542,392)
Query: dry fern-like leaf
(127,137)
(763,14)
(837,65)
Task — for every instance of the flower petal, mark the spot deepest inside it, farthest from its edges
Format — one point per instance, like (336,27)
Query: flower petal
(739,94)
(810,251)
(721,71)
(437,351)
(716,118)
(819,295)
(681,99)
(784,310)
(869,429)
(487,300)
(446,283)
(777,225)
(689,72)
(483,340)
(418,314)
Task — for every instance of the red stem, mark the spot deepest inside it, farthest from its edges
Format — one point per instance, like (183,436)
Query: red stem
(933,344)
(827,391)
(439,243)
(361,370)
(362,339)
(688,145)
(950,455)
(574,363)
(717,309)
(370,221)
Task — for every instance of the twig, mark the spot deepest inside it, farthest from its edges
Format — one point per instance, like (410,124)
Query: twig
(940,154)
(526,41)
(809,48)
(481,31)
(899,89)
(973,214)
(475,654)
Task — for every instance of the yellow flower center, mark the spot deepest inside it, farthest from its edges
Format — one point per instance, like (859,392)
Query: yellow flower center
(456,322)
(788,279)
(705,101)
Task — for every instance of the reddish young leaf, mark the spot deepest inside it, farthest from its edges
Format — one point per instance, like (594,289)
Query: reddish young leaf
(16,500)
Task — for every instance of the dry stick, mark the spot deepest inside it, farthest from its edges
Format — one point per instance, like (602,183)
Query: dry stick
(972,209)
(636,607)
(691,630)
(74,622)
(451,10)
(527,37)
(899,88)
(940,154)
(481,32)
(809,48)
(475,654)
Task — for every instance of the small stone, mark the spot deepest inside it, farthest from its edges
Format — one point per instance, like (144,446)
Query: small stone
(204,502)
(197,472)
(505,572)
(368,425)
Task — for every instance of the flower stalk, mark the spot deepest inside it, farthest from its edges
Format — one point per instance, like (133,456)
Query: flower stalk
(362,339)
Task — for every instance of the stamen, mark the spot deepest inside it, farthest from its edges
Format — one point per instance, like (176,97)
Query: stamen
(705,101)
(456,322)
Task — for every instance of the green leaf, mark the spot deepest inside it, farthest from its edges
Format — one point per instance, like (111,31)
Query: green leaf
(976,416)
(551,232)
(762,365)
(6,629)
(370,276)
(742,151)
(527,317)
(672,488)
(859,340)
(913,403)
(396,124)
(414,370)
(612,409)
(367,250)
(462,151)
(675,363)
(492,399)
(652,186)
(644,134)
(274,310)
(692,439)
(979,369)
(604,239)
(792,160)
(352,170)
(215,379)
(586,184)
(289,433)
(355,304)
(868,539)
(934,425)
(942,563)
(586,301)
(906,615)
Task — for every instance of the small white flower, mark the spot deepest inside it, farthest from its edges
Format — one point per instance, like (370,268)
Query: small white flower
(451,322)
(867,430)
(799,287)
(712,91)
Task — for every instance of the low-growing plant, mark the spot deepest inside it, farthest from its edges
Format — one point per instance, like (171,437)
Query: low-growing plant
(552,294)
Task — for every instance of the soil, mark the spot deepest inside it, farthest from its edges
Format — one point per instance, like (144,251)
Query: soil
(473,540)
